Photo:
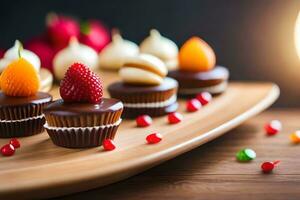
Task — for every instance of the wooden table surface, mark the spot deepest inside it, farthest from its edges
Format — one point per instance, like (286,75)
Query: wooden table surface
(211,171)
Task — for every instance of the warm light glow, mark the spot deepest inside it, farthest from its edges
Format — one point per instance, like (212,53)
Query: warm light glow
(297,35)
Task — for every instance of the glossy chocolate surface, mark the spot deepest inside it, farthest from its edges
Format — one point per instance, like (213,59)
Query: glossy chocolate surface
(188,79)
(59,107)
(121,87)
(131,113)
(39,98)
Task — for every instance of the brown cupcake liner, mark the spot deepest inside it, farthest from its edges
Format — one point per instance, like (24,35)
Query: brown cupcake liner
(21,111)
(83,120)
(141,97)
(211,89)
(81,137)
(130,113)
(21,128)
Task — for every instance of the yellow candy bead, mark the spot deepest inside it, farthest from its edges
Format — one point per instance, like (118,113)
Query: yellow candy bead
(295,137)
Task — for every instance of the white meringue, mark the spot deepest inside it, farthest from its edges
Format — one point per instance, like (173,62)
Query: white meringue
(161,47)
(114,54)
(143,69)
(74,52)
(13,54)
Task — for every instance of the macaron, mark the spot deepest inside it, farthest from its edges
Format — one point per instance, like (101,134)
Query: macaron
(144,88)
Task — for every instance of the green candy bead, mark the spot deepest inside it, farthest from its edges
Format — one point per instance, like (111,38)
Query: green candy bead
(250,153)
(245,155)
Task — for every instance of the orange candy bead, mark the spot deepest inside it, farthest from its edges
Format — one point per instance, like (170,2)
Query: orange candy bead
(19,79)
(295,137)
(196,55)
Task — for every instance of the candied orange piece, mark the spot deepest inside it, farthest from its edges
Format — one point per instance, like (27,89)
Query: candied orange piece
(295,137)
(196,55)
(19,79)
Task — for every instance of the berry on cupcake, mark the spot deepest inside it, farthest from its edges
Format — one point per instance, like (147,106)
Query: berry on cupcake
(144,88)
(198,71)
(21,105)
(82,118)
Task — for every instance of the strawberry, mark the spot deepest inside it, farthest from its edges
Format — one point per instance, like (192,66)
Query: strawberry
(94,34)
(80,84)
(42,48)
(60,29)
(2,51)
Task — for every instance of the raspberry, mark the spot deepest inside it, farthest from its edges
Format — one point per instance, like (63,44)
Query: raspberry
(80,84)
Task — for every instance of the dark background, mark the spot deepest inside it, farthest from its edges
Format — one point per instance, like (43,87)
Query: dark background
(253,38)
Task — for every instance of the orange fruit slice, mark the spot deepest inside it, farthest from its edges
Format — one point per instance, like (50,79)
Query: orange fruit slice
(196,55)
(19,79)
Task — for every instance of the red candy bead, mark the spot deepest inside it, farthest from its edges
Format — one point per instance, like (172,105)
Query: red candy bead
(175,118)
(267,167)
(8,150)
(273,127)
(154,138)
(15,143)
(108,145)
(143,121)
(204,98)
(193,105)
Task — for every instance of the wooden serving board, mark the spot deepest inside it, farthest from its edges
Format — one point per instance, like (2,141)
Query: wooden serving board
(40,169)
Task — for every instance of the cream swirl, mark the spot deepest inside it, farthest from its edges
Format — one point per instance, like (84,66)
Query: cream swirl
(161,47)
(112,57)
(12,54)
(74,52)
(143,69)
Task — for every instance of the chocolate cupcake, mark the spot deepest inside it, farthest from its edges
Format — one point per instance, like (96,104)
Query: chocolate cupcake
(21,105)
(191,83)
(82,118)
(144,89)
(197,70)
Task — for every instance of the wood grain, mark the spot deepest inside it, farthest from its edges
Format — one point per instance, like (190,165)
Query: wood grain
(40,169)
(211,171)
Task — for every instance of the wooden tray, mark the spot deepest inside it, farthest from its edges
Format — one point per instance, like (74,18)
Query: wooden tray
(41,169)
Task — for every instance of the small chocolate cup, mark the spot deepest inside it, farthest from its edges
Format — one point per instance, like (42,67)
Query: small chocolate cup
(83,137)
(82,125)
(10,129)
(150,100)
(193,83)
(22,116)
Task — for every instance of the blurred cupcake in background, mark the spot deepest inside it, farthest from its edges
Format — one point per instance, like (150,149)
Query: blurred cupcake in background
(161,47)
(113,56)
(74,52)
(198,71)
(144,88)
